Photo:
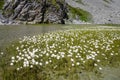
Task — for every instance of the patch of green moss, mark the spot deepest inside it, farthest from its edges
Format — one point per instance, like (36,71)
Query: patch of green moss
(55,3)
(1,3)
(82,14)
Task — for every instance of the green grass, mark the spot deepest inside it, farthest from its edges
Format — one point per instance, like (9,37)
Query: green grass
(82,14)
(61,55)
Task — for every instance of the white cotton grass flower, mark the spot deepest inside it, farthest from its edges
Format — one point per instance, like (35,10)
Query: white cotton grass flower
(20,53)
(103,54)
(69,55)
(77,56)
(73,64)
(75,50)
(100,68)
(28,57)
(17,48)
(40,55)
(11,64)
(24,65)
(50,61)
(93,58)
(95,64)
(55,51)
(40,64)
(46,62)
(22,46)
(98,60)
(21,67)
(62,56)
(13,57)
(84,61)
(12,61)
(58,57)
(31,66)
(33,61)
(116,53)
(78,63)
(81,59)
(98,51)
(36,63)
(96,46)
(47,54)
(72,60)
(1,53)
(55,66)
(17,57)
(106,58)
(18,69)
(111,54)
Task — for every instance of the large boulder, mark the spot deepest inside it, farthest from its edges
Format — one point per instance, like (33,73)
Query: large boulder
(37,11)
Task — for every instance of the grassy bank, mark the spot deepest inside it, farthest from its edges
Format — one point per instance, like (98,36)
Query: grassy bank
(61,55)
(81,14)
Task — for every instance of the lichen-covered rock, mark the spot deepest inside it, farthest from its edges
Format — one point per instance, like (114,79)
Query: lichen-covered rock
(37,11)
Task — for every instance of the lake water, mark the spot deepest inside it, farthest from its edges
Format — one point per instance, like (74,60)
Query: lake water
(14,32)
(9,33)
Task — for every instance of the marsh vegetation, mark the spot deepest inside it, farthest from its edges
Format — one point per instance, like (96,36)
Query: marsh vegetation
(65,54)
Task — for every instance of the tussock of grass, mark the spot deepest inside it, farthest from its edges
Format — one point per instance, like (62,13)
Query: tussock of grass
(61,55)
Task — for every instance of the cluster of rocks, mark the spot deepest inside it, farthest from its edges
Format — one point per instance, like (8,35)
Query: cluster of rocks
(36,11)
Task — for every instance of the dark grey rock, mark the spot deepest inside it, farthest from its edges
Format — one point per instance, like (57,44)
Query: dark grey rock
(38,11)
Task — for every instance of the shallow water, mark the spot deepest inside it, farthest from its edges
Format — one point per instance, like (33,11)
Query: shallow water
(9,33)
(14,32)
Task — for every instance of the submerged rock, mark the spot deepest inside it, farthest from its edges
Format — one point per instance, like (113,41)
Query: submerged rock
(36,11)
